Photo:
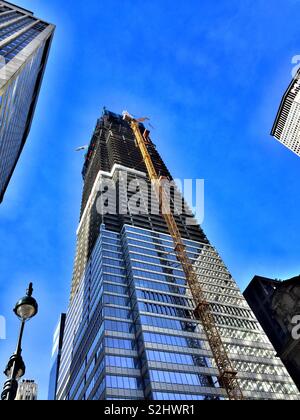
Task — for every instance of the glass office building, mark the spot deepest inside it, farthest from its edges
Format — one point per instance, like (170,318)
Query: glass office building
(24,46)
(56,357)
(130,329)
(286,127)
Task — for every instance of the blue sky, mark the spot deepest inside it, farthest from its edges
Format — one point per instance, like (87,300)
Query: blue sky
(210,75)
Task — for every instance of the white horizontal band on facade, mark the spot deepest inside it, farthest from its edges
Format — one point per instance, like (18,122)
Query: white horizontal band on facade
(111,174)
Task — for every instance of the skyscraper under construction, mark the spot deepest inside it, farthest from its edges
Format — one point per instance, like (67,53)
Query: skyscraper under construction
(135,329)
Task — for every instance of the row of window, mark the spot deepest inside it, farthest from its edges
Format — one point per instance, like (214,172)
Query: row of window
(106,241)
(120,343)
(122,362)
(158,249)
(168,259)
(106,252)
(155,253)
(259,368)
(10,16)
(222,290)
(117,313)
(163,396)
(214,274)
(165,310)
(110,234)
(168,275)
(173,340)
(224,298)
(123,382)
(176,358)
(160,238)
(249,351)
(178,378)
(109,248)
(157,268)
(116,300)
(166,323)
(158,253)
(274,387)
(163,287)
(4,9)
(11,29)
(119,326)
(243,335)
(114,270)
(211,266)
(166,298)
(10,50)
(234,322)
(114,288)
(230,310)
(114,279)
(116,262)
(141,240)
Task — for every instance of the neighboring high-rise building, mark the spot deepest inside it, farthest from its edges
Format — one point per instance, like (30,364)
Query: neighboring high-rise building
(24,46)
(275,303)
(27,391)
(286,128)
(130,330)
(56,357)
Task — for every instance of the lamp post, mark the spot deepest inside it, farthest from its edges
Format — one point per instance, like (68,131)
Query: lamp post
(25,309)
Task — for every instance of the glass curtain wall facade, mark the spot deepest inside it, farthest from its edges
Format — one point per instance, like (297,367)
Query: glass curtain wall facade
(130,330)
(56,356)
(286,128)
(24,46)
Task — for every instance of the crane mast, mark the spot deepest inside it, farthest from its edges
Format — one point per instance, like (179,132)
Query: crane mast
(227,374)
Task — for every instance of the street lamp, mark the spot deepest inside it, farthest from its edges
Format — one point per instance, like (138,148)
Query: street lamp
(25,309)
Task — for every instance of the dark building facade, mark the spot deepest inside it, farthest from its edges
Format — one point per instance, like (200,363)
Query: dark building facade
(275,304)
(56,357)
(24,47)
(130,330)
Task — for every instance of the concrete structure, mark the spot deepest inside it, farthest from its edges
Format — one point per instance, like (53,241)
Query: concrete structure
(27,391)
(275,304)
(130,330)
(24,46)
(286,128)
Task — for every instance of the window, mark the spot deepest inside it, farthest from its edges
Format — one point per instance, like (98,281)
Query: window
(123,382)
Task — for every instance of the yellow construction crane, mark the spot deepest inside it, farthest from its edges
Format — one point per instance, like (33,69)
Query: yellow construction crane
(227,374)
